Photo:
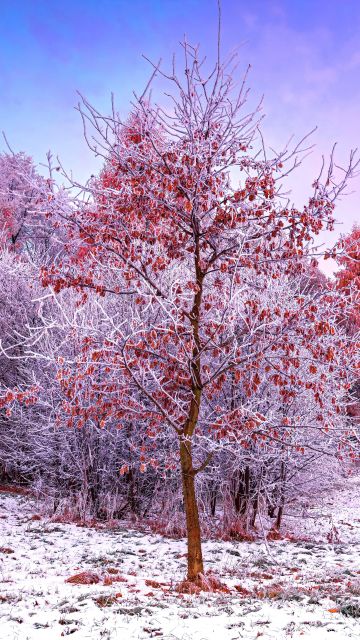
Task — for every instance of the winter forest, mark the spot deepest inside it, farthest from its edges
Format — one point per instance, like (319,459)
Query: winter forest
(179,380)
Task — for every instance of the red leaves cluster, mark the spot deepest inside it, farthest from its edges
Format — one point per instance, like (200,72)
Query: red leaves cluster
(85,577)
(163,231)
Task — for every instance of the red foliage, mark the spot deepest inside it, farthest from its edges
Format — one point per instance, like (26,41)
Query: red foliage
(348,277)
(85,577)
(150,215)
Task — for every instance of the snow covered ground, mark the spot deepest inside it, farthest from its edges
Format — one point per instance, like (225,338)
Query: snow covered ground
(286,589)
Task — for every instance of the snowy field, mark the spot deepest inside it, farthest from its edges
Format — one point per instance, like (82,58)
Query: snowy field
(308,589)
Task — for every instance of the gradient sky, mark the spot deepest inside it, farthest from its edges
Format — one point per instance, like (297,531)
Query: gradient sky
(305,57)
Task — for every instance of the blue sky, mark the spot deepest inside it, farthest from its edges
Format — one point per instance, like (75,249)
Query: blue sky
(305,57)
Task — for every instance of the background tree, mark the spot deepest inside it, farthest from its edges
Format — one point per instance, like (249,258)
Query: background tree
(23,193)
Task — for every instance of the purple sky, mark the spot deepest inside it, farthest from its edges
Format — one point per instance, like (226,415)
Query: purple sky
(305,57)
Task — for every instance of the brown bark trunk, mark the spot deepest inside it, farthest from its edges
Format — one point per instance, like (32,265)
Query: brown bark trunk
(279,517)
(195,560)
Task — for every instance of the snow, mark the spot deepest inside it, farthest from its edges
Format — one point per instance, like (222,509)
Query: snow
(298,589)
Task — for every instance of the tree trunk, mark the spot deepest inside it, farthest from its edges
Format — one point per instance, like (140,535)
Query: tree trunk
(241,491)
(255,503)
(195,561)
(282,496)
(213,490)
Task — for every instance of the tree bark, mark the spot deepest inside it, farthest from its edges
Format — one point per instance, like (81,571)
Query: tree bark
(195,561)
(282,496)
(213,490)
(194,556)
(241,491)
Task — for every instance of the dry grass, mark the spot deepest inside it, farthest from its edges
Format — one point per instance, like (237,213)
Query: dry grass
(236,530)
(15,489)
(154,584)
(207,582)
(107,601)
(110,579)
(173,529)
(244,592)
(86,577)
